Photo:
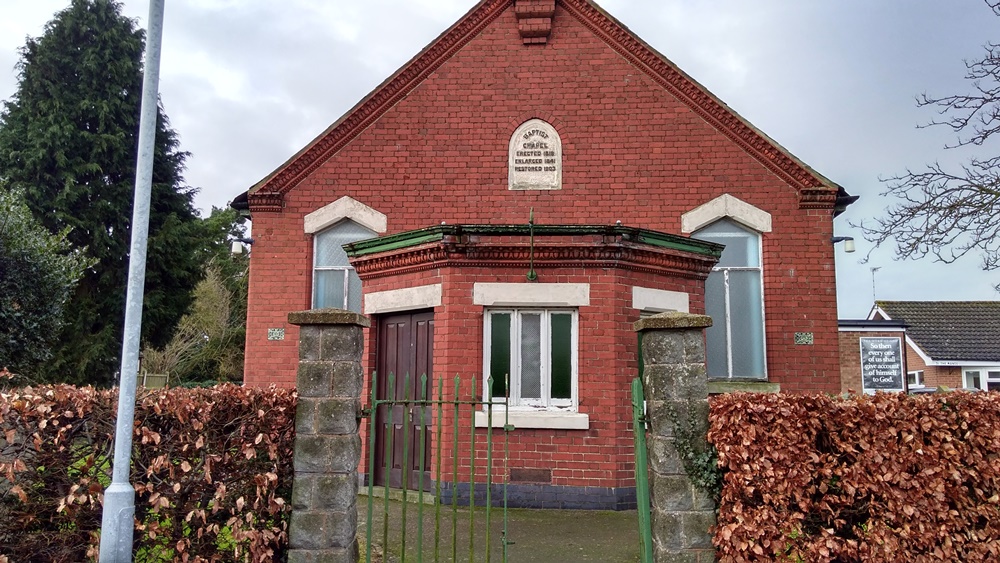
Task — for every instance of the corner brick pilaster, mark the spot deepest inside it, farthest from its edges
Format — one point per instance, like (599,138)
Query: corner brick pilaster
(324,521)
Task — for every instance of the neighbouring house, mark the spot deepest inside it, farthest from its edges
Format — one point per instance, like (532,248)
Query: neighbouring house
(513,199)
(954,344)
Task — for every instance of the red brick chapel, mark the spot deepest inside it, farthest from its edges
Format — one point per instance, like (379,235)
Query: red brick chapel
(645,193)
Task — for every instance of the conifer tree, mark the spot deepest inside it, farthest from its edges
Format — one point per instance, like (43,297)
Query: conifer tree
(68,140)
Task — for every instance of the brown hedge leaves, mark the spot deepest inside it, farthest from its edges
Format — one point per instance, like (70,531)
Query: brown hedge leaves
(212,470)
(883,478)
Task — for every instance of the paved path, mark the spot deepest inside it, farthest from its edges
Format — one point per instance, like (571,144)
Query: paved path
(543,536)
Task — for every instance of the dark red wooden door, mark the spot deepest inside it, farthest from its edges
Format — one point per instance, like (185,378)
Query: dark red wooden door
(405,349)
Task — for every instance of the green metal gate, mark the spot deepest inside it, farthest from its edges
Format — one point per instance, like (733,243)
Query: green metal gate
(641,471)
(443,494)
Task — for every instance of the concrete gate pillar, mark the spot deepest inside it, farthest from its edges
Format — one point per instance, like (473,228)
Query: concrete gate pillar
(676,389)
(324,521)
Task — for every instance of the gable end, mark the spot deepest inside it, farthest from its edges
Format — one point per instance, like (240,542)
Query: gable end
(815,191)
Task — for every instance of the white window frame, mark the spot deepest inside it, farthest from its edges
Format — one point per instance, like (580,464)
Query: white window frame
(728,308)
(545,403)
(347,280)
(345,269)
(918,378)
(987,375)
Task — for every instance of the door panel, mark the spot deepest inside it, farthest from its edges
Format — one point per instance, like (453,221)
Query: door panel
(405,350)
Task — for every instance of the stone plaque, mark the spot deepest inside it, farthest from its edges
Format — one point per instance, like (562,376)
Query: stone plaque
(881,364)
(534,160)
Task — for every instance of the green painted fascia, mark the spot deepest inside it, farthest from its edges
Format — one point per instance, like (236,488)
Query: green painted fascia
(393,242)
(674,242)
(436,233)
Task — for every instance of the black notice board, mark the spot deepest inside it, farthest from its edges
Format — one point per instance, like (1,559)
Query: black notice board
(881,364)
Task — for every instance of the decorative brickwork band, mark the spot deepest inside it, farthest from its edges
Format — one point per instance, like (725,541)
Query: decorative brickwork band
(327,441)
(676,390)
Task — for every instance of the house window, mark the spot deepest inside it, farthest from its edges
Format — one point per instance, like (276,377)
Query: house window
(537,348)
(915,378)
(734,299)
(987,379)
(335,283)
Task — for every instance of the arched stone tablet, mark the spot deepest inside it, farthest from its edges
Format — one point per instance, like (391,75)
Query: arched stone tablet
(534,160)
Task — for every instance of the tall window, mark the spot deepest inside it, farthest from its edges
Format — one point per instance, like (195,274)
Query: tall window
(335,283)
(734,300)
(538,349)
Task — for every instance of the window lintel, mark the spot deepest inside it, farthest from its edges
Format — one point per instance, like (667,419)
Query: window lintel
(722,207)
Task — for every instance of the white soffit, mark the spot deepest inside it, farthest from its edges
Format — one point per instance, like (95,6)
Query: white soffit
(538,294)
(726,206)
(406,299)
(345,208)
(659,300)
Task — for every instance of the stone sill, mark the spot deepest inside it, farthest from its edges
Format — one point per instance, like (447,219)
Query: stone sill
(558,420)
(722,386)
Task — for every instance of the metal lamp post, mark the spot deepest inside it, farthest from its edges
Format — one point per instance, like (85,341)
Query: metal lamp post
(119,499)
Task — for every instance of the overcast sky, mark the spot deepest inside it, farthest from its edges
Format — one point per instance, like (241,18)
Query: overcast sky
(247,83)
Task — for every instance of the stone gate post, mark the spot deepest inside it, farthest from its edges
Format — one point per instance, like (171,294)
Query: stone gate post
(324,520)
(676,390)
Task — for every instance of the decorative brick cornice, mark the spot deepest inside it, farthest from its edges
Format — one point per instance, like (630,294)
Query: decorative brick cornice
(415,259)
(385,96)
(694,96)
(817,198)
(534,20)
(266,202)
(616,253)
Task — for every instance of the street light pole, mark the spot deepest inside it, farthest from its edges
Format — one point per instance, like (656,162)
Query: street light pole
(119,498)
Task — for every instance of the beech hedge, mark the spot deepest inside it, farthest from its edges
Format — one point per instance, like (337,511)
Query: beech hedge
(863,478)
(212,470)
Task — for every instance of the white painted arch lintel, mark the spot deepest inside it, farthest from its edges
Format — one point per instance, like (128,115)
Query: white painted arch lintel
(726,206)
(345,208)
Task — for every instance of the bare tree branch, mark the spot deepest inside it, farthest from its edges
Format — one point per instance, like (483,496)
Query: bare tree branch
(942,214)
(947,214)
(976,115)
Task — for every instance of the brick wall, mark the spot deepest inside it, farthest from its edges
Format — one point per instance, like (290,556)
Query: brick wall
(631,152)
